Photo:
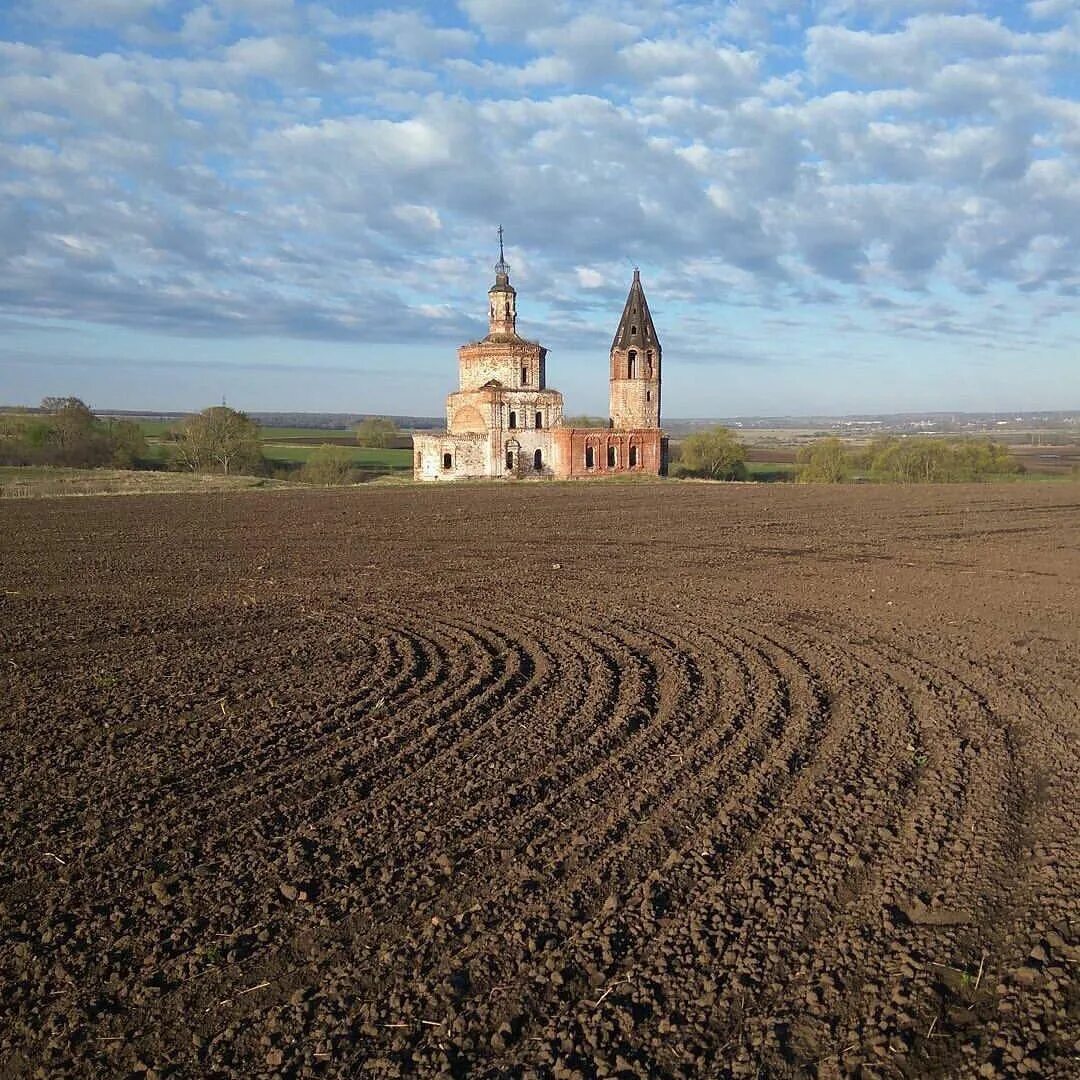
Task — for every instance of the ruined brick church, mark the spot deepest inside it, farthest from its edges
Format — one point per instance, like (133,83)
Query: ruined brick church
(504,421)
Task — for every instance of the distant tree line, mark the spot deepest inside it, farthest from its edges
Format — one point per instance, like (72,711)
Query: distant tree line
(66,432)
(717,454)
(917,460)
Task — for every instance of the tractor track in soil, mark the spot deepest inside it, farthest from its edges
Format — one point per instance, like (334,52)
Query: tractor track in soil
(542,781)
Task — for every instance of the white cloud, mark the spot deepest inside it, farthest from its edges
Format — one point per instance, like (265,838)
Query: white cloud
(410,36)
(1045,10)
(208,100)
(273,170)
(103,13)
(882,11)
(913,53)
(273,57)
(501,20)
(201,26)
(421,218)
(696,69)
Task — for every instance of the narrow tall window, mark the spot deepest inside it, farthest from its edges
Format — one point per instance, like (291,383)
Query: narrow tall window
(448,461)
(538,461)
(631,364)
(524,376)
(513,420)
(612,457)
(510,460)
(633,457)
(539,420)
(648,363)
(590,457)
(648,395)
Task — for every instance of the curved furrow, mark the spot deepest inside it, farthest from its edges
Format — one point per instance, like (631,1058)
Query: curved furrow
(490,919)
(234,817)
(884,917)
(593,948)
(106,812)
(490,687)
(243,740)
(725,923)
(686,816)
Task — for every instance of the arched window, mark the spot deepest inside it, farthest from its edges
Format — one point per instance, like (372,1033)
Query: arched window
(510,460)
(538,461)
(508,309)
(631,364)
(590,457)
(612,457)
(448,461)
(648,363)
(633,457)
(539,420)
(419,459)
(524,376)
(513,420)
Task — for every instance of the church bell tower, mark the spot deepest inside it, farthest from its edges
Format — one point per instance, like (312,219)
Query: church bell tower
(635,365)
(502,299)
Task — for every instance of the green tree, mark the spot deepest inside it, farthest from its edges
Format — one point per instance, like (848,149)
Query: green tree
(376,431)
(926,460)
(65,432)
(128,444)
(714,453)
(71,420)
(219,439)
(74,433)
(328,466)
(825,461)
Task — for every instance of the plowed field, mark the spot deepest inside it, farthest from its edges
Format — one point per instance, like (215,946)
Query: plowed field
(542,781)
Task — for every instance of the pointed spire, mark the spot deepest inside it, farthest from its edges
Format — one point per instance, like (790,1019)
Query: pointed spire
(502,267)
(636,326)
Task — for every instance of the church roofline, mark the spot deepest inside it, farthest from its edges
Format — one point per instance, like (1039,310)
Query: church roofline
(503,339)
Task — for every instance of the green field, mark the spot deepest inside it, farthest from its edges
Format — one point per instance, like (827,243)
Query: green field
(362,456)
(289,445)
(41,481)
(154,429)
(273,434)
(770,470)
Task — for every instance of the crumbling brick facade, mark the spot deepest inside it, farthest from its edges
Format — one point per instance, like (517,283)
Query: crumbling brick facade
(504,421)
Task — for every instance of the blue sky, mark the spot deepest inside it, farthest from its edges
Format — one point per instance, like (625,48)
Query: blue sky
(838,206)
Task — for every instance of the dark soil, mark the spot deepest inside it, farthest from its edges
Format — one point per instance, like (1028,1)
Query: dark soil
(542,780)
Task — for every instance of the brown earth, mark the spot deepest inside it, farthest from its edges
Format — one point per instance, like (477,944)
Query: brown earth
(542,781)
(1056,460)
